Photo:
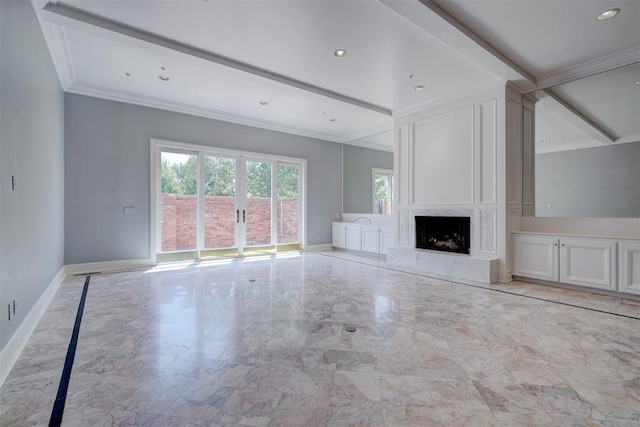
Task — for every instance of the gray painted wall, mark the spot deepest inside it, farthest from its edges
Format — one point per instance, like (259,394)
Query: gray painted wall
(358,187)
(32,149)
(592,182)
(107,152)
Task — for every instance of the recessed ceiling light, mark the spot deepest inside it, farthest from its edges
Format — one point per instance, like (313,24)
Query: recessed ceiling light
(608,14)
(340,53)
(164,78)
(263,103)
(418,88)
(638,82)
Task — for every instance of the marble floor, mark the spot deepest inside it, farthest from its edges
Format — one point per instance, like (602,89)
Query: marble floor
(265,341)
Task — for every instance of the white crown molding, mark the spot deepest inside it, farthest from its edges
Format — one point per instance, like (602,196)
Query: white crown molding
(92,24)
(589,68)
(433,19)
(370,145)
(163,104)
(56,40)
(453,96)
(369,133)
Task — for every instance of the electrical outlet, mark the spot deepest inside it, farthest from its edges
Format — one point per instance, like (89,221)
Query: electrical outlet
(129,210)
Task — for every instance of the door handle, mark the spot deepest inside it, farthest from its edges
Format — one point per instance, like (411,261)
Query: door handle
(238,216)
(244,216)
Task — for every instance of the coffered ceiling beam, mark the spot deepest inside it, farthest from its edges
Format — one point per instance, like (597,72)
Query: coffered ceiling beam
(92,24)
(574,116)
(427,15)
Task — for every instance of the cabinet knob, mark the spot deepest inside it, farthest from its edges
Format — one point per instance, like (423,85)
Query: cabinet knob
(555,244)
(563,244)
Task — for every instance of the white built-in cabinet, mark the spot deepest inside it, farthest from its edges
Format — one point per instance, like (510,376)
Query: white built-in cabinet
(361,237)
(347,236)
(536,257)
(629,266)
(338,235)
(595,262)
(375,239)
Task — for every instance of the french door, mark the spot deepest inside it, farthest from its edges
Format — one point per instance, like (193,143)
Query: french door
(225,204)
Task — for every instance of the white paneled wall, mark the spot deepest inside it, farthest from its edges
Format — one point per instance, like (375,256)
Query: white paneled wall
(463,156)
(443,148)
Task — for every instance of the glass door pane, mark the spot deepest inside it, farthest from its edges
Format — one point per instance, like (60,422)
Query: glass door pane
(219,187)
(257,211)
(288,204)
(179,202)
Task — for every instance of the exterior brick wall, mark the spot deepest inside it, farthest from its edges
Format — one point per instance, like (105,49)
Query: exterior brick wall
(179,217)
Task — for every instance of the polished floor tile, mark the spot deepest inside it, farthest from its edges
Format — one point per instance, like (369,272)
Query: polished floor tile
(266,341)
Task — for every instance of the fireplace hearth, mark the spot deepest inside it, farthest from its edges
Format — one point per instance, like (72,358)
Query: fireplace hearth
(443,233)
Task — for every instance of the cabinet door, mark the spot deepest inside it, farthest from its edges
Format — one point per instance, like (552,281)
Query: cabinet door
(588,262)
(370,239)
(338,235)
(629,267)
(354,237)
(536,257)
(386,239)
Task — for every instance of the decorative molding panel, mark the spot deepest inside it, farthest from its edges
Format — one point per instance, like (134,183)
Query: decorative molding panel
(403,174)
(488,149)
(488,232)
(588,262)
(443,147)
(528,160)
(403,227)
(514,151)
(629,260)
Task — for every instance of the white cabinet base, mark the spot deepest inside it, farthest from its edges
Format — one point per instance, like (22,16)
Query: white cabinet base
(536,257)
(608,264)
(588,262)
(629,267)
(361,237)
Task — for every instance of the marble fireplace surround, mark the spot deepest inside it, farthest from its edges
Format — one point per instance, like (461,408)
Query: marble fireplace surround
(470,267)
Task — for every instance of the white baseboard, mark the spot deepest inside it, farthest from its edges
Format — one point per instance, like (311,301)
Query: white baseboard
(318,248)
(10,353)
(95,267)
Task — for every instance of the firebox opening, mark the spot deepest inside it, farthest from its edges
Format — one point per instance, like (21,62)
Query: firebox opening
(443,233)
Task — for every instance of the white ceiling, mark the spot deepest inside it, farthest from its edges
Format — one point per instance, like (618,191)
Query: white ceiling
(224,57)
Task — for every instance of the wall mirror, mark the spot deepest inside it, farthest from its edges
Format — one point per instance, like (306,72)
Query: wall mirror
(587,146)
(367,169)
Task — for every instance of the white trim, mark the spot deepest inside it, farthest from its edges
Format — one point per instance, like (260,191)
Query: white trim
(56,40)
(108,266)
(11,352)
(319,248)
(589,68)
(370,145)
(452,97)
(369,133)
(163,104)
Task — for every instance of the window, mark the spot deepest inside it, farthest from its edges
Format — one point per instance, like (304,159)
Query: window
(382,191)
